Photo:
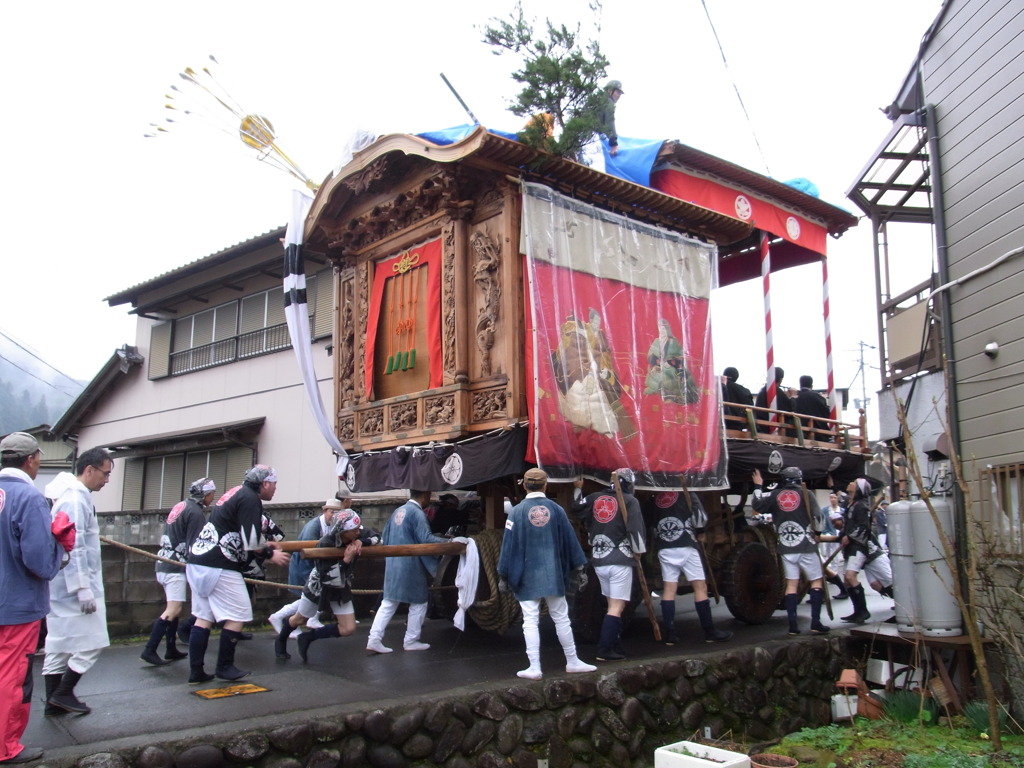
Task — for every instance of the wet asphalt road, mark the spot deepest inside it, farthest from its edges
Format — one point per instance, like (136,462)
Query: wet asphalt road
(136,704)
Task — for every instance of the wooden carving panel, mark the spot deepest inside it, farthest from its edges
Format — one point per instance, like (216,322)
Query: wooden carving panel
(371,422)
(438,410)
(347,429)
(489,404)
(404,417)
(363,311)
(448,299)
(346,342)
(486,268)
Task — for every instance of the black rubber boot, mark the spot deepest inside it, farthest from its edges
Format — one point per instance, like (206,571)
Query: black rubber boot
(197,642)
(51,682)
(173,654)
(711,634)
(158,633)
(64,695)
(320,633)
(185,630)
(837,581)
(860,606)
(817,598)
(609,638)
(226,669)
(281,641)
(790,602)
(886,592)
(668,622)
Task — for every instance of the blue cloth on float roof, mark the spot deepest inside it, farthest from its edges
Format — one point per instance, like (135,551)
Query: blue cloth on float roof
(633,162)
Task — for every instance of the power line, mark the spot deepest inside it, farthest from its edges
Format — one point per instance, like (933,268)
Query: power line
(736,88)
(37,378)
(28,351)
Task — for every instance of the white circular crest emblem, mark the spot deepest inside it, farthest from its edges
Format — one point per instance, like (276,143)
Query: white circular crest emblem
(834,465)
(743,207)
(793,228)
(350,476)
(775,462)
(452,469)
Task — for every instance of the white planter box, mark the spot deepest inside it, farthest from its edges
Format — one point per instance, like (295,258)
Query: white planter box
(690,754)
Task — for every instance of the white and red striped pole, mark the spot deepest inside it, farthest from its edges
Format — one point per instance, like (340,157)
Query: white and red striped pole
(766,268)
(833,408)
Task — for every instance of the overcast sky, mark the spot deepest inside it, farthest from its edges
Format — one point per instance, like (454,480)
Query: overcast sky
(91,207)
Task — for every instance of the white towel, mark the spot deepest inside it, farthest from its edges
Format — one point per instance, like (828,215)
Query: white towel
(466,580)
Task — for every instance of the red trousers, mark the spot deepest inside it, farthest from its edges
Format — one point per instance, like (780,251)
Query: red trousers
(17,645)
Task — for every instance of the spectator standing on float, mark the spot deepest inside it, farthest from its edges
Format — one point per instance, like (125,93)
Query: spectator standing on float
(406,579)
(811,403)
(541,560)
(184,522)
(676,518)
(76,626)
(615,535)
(734,392)
(217,559)
(783,402)
(31,549)
(797,528)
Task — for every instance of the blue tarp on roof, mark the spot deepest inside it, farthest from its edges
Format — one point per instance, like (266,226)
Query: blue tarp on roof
(633,162)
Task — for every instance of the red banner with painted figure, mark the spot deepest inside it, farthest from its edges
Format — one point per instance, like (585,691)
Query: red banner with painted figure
(619,347)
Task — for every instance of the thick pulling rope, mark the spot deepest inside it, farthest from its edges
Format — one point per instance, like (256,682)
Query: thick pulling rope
(259,582)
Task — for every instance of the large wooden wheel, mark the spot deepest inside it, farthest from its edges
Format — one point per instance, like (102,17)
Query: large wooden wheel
(752,583)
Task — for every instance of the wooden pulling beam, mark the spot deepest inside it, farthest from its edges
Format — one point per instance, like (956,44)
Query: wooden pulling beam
(310,551)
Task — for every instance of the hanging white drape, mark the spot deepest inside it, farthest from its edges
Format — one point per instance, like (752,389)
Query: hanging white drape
(296,312)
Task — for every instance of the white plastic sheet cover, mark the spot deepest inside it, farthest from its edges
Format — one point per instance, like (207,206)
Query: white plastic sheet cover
(619,346)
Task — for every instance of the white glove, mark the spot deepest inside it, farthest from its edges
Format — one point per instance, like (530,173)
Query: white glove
(459,540)
(86,600)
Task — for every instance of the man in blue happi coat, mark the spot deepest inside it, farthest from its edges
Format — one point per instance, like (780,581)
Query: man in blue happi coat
(406,579)
(540,558)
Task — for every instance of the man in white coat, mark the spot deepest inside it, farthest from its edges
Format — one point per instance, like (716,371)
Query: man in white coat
(76,627)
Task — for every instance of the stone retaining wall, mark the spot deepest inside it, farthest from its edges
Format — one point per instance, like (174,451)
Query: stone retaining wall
(614,717)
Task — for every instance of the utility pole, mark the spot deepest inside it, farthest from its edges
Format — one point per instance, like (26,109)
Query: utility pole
(864,400)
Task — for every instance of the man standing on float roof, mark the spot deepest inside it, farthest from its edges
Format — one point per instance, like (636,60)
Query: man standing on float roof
(215,566)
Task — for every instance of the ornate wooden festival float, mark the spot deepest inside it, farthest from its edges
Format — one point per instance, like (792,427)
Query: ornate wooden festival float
(500,308)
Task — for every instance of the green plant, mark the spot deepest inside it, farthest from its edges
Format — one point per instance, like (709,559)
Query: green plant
(976,713)
(831,738)
(560,77)
(909,707)
(946,760)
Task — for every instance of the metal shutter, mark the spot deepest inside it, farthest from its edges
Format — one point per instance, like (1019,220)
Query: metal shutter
(154,476)
(131,493)
(160,350)
(239,461)
(323,320)
(172,488)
